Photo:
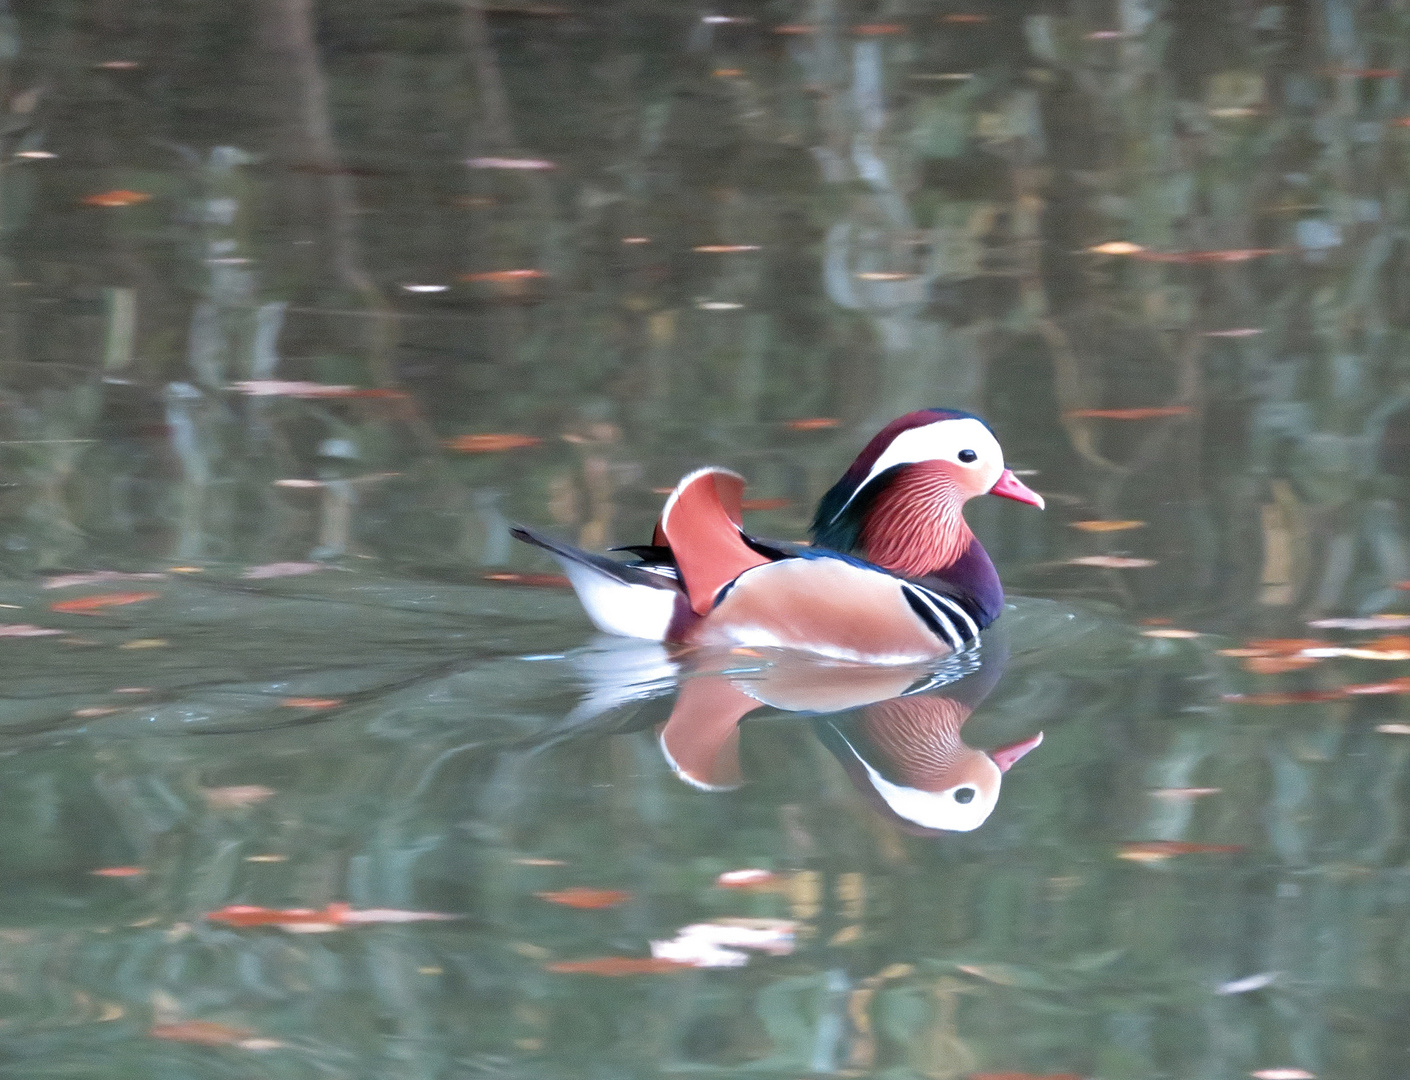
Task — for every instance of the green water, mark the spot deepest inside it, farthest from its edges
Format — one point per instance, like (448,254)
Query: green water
(195,196)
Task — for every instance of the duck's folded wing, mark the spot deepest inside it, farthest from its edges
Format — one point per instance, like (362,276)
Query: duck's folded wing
(701,524)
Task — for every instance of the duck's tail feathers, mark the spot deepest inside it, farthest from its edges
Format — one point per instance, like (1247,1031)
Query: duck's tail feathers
(702,524)
(624,600)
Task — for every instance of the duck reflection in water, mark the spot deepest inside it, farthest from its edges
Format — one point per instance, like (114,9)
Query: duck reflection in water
(896,729)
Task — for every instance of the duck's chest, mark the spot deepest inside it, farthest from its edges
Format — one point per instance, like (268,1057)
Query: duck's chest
(838,609)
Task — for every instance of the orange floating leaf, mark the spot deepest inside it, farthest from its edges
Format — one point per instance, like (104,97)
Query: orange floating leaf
(1171,632)
(119,871)
(1156,850)
(795,28)
(878,29)
(1277,665)
(615,966)
(727,73)
(541,581)
(311,702)
(490,443)
(963,18)
(1152,413)
(1289,697)
(587,899)
(812,423)
(90,605)
(1106,526)
(1394,686)
(120,197)
(765,504)
(200,1032)
(1232,255)
(501,276)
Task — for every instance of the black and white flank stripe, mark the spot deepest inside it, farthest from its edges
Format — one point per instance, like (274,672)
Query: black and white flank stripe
(943,615)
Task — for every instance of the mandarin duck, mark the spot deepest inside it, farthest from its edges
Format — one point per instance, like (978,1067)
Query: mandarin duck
(903,751)
(893,575)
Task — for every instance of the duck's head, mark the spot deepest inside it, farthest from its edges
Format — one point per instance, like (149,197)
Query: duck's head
(900,502)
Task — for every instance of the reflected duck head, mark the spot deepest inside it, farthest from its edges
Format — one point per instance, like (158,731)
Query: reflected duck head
(907,759)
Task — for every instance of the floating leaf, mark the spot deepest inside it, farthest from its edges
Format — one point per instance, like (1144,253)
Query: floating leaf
(490,443)
(1393,729)
(528,164)
(1236,332)
(1233,255)
(1277,665)
(1248,983)
(1023,1076)
(500,277)
(1151,413)
(615,966)
(1156,850)
(120,197)
(236,796)
(1283,1074)
(795,28)
(119,871)
(762,880)
(200,1032)
(1394,686)
(94,711)
(145,643)
(1280,697)
(878,29)
(727,73)
(1373,622)
(1116,247)
(282,569)
(25,630)
(585,898)
(294,388)
(333,916)
(89,605)
(964,18)
(1171,632)
(723,249)
(542,581)
(311,702)
(1106,526)
(812,423)
(1177,793)
(1112,562)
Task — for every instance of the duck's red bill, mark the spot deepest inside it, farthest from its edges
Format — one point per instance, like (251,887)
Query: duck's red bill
(1005,756)
(1011,487)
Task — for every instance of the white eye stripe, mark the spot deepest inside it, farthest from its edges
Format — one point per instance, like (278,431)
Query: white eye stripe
(940,441)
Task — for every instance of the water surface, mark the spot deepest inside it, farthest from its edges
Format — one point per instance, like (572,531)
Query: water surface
(301,307)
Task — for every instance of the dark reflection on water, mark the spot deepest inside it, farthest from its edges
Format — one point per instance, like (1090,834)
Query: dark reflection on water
(301,307)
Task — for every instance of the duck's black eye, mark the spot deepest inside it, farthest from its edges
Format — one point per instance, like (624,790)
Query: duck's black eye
(968,455)
(964,795)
